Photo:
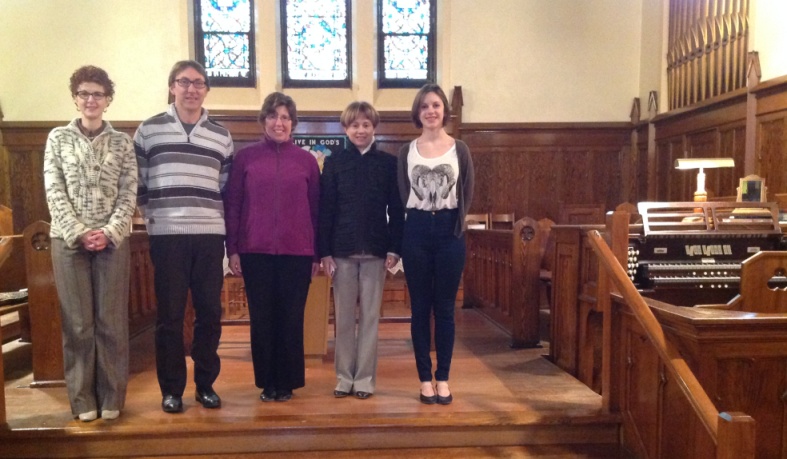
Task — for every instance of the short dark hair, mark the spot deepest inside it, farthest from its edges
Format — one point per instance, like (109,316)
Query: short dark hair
(91,74)
(419,97)
(183,65)
(275,100)
(352,111)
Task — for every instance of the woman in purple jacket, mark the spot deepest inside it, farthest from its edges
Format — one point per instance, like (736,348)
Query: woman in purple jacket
(271,208)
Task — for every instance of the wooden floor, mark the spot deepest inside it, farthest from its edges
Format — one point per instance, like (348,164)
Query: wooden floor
(507,403)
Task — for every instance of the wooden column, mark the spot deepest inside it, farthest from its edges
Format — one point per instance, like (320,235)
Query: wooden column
(736,438)
(5,251)
(3,423)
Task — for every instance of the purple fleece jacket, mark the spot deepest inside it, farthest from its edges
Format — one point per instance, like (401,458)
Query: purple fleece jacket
(272,200)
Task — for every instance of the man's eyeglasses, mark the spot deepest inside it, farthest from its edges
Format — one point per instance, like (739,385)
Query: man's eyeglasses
(185,83)
(273,117)
(84,95)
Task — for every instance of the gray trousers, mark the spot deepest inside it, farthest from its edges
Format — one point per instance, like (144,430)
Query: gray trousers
(93,291)
(356,352)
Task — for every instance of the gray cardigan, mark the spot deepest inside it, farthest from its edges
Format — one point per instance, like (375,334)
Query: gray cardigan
(464,183)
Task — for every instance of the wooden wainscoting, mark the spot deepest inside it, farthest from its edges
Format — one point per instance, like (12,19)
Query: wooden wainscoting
(529,168)
(708,130)
(771,136)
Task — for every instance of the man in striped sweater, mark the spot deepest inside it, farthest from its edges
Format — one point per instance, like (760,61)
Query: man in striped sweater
(184,160)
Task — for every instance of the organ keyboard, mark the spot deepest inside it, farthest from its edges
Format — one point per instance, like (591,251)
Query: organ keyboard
(691,252)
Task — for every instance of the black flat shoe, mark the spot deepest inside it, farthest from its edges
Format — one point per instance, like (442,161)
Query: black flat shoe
(172,404)
(284,396)
(268,395)
(362,395)
(208,398)
(340,394)
(445,400)
(429,400)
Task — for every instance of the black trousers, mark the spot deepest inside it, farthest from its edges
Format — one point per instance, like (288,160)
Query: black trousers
(187,262)
(276,289)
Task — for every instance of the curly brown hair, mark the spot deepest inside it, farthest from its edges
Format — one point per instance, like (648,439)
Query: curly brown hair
(92,74)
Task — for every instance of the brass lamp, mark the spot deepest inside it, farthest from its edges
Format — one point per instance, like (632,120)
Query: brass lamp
(702,163)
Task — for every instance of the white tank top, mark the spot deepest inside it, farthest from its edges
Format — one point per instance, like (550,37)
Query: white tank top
(432,180)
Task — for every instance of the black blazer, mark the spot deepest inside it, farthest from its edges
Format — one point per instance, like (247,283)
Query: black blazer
(360,208)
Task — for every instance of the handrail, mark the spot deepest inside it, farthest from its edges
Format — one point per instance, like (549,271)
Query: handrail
(676,365)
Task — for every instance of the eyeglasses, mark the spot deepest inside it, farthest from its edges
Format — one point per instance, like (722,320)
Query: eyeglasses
(273,117)
(84,95)
(185,83)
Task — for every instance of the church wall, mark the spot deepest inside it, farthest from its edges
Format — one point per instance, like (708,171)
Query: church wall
(517,60)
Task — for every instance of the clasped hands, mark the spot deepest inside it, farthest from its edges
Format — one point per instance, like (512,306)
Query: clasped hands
(94,240)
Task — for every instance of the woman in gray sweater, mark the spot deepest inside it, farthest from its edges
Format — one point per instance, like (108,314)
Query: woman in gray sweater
(90,175)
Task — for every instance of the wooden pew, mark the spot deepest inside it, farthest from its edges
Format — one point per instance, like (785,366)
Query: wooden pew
(15,310)
(501,277)
(45,308)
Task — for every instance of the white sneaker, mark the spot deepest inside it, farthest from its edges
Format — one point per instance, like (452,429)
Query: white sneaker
(110,414)
(89,416)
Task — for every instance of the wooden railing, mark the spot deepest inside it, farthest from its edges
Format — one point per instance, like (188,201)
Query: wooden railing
(732,433)
(501,277)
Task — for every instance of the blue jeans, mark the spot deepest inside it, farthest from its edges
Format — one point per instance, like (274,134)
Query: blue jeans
(433,262)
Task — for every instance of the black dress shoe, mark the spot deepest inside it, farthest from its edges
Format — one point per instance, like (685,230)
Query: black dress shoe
(268,395)
(340,394)
(362,395)
(172,404)
(445,400)
(428,399)
(208,398)
(284,396)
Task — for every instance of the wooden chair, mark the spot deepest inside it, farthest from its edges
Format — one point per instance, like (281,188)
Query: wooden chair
(501,221)
(477,221)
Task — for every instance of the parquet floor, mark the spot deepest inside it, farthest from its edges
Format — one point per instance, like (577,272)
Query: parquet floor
(492,384)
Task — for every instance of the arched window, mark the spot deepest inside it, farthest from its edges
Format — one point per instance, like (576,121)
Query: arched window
(316,43)
(224,41)
(406,43)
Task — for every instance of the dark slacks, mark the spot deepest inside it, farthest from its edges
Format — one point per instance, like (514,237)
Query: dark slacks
(187,262)
(276,289)
(433,261)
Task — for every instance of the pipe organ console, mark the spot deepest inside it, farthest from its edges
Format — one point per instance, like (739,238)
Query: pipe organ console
(691,252)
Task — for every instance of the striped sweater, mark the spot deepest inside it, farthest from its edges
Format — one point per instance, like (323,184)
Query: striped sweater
(182,176)
(89,185)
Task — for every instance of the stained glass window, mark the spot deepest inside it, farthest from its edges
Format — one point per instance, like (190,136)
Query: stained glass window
(406,42)
(224,41)
(316,43)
